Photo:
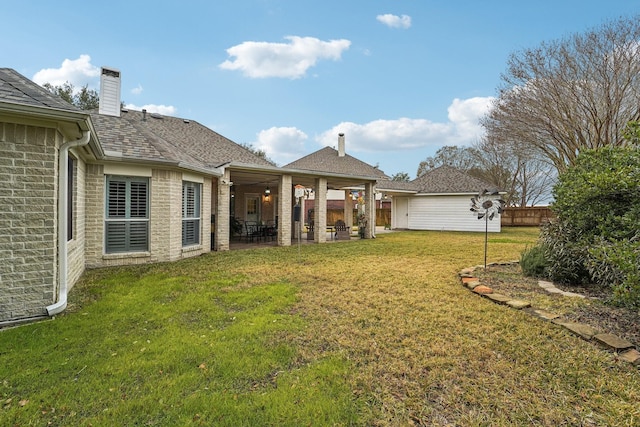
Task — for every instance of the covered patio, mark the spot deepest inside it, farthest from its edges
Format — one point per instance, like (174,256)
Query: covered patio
(267,196)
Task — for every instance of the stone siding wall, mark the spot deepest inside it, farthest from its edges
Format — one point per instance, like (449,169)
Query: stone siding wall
(165,201)
(28,184)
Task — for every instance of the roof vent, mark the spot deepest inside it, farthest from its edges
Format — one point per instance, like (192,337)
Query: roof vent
(187,121)
(156,116)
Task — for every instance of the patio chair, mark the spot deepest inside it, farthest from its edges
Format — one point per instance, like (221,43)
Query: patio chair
(271,230)
(342,231)
(253,231)
(310,230)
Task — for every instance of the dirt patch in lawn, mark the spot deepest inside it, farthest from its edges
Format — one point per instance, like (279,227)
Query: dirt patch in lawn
(593,310)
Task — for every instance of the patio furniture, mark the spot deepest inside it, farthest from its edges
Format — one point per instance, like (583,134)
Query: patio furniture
(254,232)
(271,230)
(342,231)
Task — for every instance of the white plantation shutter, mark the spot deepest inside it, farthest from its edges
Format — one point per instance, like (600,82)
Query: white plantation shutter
(190,213)
(127,215)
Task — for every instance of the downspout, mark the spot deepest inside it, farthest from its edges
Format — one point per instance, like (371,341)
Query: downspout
(63,178)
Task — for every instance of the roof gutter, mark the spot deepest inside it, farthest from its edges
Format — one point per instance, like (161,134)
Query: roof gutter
(63,179)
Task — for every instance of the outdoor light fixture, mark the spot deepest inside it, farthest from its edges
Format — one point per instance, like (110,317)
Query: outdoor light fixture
(267,191)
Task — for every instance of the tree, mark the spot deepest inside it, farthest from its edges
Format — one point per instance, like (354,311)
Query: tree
(401,176)
(571,94)
(84,98)
(461,158)
(519,171)
(258,152)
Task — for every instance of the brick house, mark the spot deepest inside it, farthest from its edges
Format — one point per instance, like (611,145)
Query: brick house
(85,189)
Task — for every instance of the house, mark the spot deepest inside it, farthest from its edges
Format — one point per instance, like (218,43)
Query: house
(115,187)
(437,200)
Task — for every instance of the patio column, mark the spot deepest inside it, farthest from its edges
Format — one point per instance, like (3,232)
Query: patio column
(320,217)
(348,209)
(223,201)
(285,214)
(370,210)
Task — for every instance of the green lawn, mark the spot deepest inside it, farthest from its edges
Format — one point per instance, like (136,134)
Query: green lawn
(368,332)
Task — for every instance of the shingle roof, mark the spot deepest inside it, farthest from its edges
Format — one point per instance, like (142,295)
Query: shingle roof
(390,185)
(172,139)
(17,89)
(328,160)
(447,179)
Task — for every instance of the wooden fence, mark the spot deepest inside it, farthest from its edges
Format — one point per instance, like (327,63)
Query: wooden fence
(383,216)
(525,217)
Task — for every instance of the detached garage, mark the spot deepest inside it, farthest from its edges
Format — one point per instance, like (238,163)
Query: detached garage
(441,201)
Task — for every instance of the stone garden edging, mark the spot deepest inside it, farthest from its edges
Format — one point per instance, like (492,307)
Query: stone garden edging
(623,349)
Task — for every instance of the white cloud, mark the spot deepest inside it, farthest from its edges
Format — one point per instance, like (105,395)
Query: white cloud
(79,72)
(137,90)
(395,21)
(165,110)
(462,128)
(465,114)
(288,60)
(282,144)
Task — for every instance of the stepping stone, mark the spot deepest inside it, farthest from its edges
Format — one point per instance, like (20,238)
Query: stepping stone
(585,331)
(482,290)
(613,342)
(545,314)
(470,282)
(545,284)
(466,272)
(473,284)
(499,298)
(518,304)
(631,356)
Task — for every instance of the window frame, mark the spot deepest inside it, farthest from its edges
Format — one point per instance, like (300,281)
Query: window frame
(128,216)
(191,213)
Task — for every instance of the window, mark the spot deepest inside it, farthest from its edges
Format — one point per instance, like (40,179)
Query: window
(127,214)
(190,213)
(71,167)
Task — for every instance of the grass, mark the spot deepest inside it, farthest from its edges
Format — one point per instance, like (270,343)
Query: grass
(368,332)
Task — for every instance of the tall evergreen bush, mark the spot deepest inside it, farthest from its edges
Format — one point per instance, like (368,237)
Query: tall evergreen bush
(597,205)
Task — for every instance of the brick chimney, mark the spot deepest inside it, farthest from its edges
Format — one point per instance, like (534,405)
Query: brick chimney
(341,145)
(109,92)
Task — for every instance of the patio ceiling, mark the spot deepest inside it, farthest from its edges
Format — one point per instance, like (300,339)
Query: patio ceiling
(271,177)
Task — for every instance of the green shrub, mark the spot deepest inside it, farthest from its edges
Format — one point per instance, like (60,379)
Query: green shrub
(566,253)
(534,262)
(618,264)
(597,203)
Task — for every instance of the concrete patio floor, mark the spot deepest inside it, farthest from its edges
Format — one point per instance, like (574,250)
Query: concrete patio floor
(240,242)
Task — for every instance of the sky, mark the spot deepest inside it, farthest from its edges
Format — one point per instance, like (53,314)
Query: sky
(400,78)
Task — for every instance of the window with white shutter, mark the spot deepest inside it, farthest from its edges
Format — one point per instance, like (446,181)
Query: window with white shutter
(191,213)
(127,214)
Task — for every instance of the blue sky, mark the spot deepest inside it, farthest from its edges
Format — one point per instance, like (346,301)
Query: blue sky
(401,78)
